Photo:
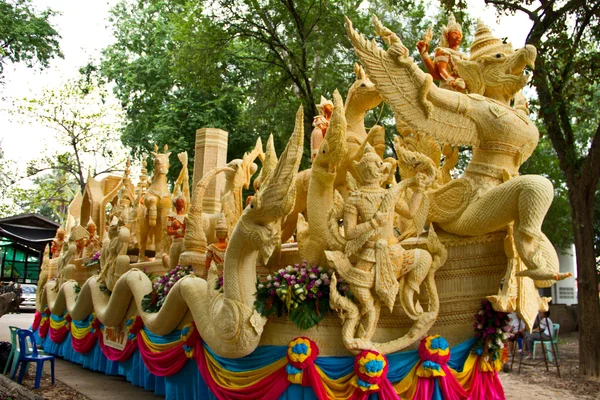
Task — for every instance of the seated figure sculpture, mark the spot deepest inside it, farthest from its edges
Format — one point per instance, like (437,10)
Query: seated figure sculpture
(215,252)
(381,261)
(91,244)
(503,137)
(443,66)
(176,229)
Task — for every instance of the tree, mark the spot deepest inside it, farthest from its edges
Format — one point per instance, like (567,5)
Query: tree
(86,127)
(26,35)
(50,195)
(567,81)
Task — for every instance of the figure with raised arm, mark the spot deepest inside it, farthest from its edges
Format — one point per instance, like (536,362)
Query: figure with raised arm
(443,66)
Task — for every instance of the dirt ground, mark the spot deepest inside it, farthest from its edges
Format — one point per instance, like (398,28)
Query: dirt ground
(533,383)
(58,391)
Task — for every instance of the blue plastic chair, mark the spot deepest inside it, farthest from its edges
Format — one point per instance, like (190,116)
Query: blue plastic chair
(549,345)
(27,355)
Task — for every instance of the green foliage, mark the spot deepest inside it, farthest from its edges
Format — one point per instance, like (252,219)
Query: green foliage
(50,195)
(26,35)
(558,225)
(242,66)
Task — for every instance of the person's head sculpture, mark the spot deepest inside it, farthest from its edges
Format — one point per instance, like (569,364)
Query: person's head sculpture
(179,203)
(61,233)
(325,108)
(222,230)
(451,33)
(91,228)
(370,168)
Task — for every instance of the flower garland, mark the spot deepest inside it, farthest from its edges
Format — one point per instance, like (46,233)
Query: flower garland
(300,291)
(490,331)
(95,260)
(153,301)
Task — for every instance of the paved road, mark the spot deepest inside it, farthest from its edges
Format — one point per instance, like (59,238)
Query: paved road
(94,385)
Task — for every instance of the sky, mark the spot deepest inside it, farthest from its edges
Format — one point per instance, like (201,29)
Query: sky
(83,27)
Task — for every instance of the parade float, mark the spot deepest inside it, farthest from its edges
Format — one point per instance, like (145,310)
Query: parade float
(340,281)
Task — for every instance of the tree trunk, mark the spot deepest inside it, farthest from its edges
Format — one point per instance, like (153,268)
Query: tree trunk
(587,281)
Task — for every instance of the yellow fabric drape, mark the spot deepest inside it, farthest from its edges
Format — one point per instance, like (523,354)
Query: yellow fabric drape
(238,380)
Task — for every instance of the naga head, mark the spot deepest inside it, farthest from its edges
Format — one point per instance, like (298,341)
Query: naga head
(494,68)
(334,147)
(241,171)
(362,95)
(269,162)
(276,197)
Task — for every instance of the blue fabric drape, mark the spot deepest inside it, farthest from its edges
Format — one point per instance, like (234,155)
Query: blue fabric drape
(187,384)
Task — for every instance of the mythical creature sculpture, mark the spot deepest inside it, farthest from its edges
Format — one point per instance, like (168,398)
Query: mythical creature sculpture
(502,138)
(320,123)
(362,97)
(228,321)
(443,66)
(157,202)
(313,236)
(382,268)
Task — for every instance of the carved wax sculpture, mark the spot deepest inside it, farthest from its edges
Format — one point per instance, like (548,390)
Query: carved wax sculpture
(382,268)
(215,252)
(443,66)
(176,229)
(44,271)
(320,123)
(362,97)
(313,235)
(92,243)
(158,205)
(491,194)
(57,243)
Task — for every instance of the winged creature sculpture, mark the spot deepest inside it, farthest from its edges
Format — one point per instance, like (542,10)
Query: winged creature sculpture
(502,138)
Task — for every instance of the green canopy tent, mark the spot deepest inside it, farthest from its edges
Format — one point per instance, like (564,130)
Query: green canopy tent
(22,241)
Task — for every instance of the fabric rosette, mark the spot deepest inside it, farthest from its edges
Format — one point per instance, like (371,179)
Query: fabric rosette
(370,369)
(434,353)
(434,378)
(301,355)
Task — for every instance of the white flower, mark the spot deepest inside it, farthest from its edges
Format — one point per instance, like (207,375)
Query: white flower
(260,286)
(269,285)
(281,271)
(480,312)
(286,276)
(289,268)
(318,282)
(312,276)
(276,284)
(479,326)
(499,331)
(500,343)
(324,276)
(269,278)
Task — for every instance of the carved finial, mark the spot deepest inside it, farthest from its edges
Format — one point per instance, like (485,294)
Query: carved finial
(165,148)
(486,43)
(155,147)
